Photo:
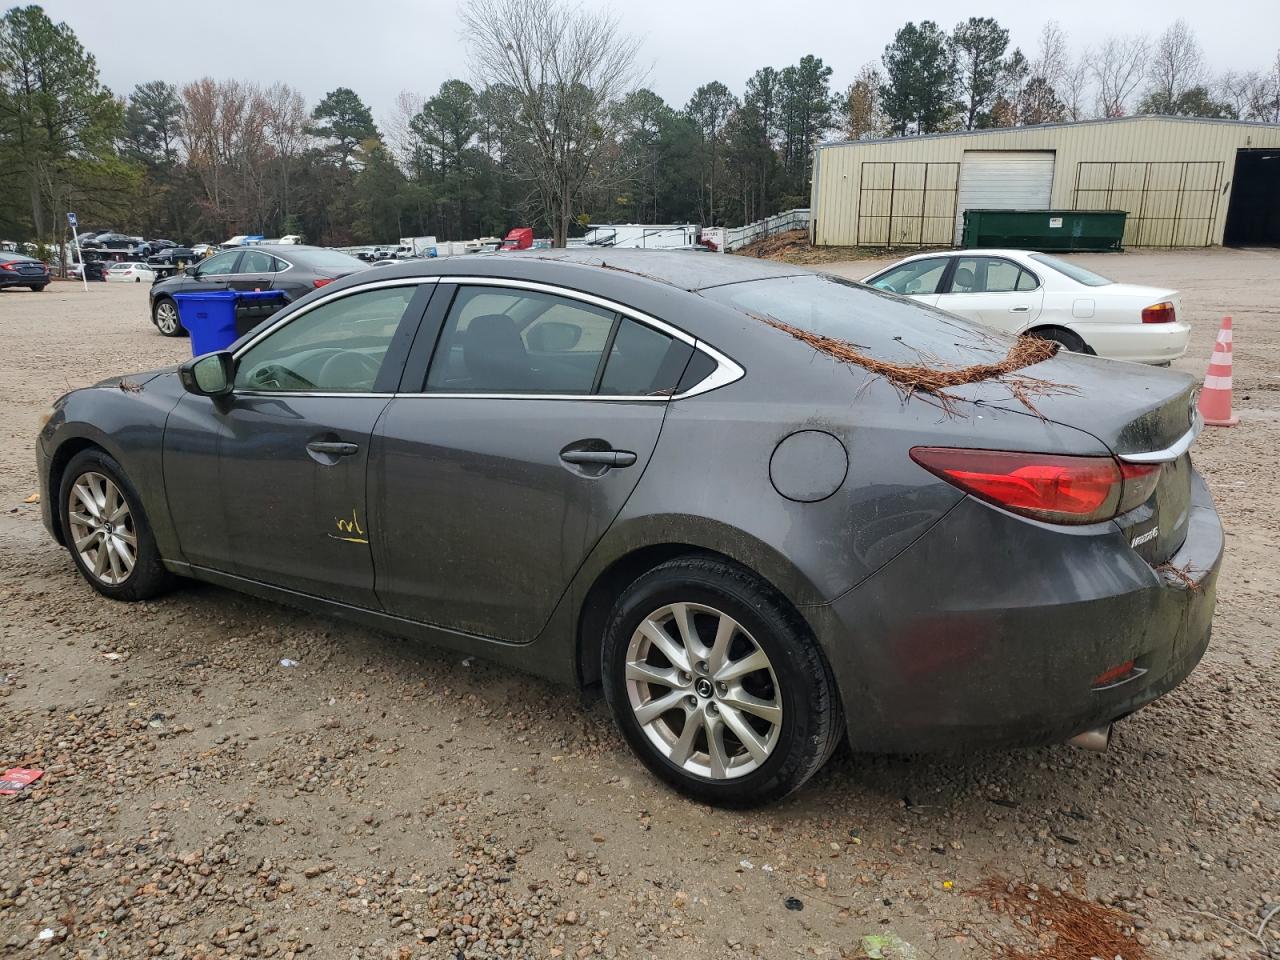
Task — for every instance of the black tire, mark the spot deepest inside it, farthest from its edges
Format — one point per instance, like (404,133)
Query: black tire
(1070,341)
(148,578)
(164,314)
(812,723)
(39,287)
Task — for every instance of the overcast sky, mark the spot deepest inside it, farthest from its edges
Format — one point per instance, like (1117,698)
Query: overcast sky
(380,47)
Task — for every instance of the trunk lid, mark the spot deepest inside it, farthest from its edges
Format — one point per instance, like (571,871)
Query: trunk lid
(1142,414)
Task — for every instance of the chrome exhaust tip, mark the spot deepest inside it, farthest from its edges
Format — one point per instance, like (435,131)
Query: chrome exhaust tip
(1095,740)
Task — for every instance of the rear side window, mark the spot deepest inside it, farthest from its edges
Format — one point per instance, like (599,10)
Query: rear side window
(256,261)
(509,341)
(990,275)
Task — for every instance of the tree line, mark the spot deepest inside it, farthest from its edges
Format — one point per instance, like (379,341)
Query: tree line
(559,133)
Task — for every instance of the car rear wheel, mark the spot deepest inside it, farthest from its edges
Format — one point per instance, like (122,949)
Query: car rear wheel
(38,287)
(1069,341)
(717,684)
(165,316)
(106,530)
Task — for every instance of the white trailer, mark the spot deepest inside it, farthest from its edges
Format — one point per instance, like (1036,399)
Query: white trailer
(656,236)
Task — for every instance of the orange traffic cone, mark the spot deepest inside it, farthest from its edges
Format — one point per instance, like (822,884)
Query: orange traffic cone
(1215,397)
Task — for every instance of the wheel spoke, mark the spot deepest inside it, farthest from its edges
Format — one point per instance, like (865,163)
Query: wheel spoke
(758,749)
(683,618)
(725,630)
(682,749)
(716,751)
(126,555)
(82,544)
(81,519)
(739,699)
(648,673)
(755,660)
(85,495)
(100,560)
(127,537)
(117,568)
(656,707)
(659,637)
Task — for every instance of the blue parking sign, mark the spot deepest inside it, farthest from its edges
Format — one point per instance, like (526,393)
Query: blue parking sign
(71,219)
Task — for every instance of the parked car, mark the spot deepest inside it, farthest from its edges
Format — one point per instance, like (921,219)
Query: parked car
(171,258)
(130,272)
(91,270)
(1016,291)
(115,241)
(293,268)
(618,470)
(19,270)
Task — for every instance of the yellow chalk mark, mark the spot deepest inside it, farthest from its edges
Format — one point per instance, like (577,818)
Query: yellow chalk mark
(349,527)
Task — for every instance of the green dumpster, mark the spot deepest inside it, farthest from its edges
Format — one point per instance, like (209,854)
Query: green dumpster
(1045,229)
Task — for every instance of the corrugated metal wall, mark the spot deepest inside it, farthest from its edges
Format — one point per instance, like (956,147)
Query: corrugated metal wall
(1172,176)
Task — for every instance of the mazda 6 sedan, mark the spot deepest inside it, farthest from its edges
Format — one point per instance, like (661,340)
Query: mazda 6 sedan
(634,469)
(1017,291)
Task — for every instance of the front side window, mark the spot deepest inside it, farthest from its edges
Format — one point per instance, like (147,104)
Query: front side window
(915,277)
(220,265)
(337,347)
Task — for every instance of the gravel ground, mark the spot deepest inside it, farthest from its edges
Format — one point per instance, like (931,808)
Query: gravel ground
(384,800)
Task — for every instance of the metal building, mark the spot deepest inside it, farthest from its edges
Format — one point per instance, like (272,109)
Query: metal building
(1184,182)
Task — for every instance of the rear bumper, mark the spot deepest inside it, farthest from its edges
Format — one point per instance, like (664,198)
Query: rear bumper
(18,280)
(993,630)
(1137,342)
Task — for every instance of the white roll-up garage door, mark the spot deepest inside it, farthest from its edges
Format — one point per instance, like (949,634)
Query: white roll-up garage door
(1004,180)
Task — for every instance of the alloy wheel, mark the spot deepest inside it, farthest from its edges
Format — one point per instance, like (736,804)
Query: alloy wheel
(102,528)
(167,317)
(703,691)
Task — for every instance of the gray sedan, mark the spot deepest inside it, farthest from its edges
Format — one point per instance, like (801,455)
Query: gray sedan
(661,474)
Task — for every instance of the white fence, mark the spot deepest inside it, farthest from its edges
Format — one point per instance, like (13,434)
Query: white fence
(738,237)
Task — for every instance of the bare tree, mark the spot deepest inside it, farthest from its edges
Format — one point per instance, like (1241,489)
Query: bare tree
(863,114)
(1117,68)
(397,127)
(568,70)
(1233,89)
(286,127)
(1074,88)
(1175,65)
(224,133)
(1053,60)
(1264,94)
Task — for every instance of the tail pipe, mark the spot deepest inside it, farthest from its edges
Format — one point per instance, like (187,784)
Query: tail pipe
(1095,740)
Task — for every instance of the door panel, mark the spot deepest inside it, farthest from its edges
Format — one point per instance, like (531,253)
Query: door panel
(293,501)
(255,271)
(985,290)
(191,437)
(480,524)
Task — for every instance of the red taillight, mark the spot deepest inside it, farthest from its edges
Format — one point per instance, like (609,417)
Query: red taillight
(1140,481)
(321,281)
(1160,313)
(10,264)
(1060,489)
(1117,673)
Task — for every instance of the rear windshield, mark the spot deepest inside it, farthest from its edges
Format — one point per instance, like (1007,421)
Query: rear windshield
(1078,274)
(330,260)
(880,323)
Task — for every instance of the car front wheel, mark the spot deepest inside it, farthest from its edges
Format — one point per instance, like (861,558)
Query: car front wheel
(717,684)
(106,530)
(165,316)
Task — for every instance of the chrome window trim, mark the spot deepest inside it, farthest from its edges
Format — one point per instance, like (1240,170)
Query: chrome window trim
(727,371)
(1171,452)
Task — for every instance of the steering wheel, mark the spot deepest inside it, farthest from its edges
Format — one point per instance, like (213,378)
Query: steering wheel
(348,368)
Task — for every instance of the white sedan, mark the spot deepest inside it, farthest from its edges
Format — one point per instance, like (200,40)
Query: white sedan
(1016,291)
(128,272)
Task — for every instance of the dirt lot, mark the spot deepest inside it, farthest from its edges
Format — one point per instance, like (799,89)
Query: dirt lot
(386,800)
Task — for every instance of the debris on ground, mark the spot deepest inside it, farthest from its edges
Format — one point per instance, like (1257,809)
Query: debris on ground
(792,246)
(793,903)
(935,378)
(286,662)
(34,498)
(16,779)
(887,946)
(1066,926)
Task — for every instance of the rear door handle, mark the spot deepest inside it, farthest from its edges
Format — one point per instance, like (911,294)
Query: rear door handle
(334,448)
(1023,309)
(599,458)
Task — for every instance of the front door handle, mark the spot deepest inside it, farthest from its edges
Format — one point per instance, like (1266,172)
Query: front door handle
(599,458)
(334,448)
(1022,309)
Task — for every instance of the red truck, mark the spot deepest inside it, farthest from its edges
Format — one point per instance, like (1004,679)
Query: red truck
(518,238)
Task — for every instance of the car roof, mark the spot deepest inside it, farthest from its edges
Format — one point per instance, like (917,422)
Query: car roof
(685,270)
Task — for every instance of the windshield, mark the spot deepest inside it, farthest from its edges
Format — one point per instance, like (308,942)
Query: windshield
(1078,274)
(885,325)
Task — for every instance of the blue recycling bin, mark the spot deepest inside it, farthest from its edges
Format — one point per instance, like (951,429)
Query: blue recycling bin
(211,317)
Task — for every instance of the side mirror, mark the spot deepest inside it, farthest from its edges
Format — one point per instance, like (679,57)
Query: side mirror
(211,375)
(190,271)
